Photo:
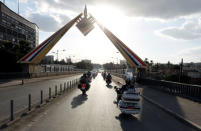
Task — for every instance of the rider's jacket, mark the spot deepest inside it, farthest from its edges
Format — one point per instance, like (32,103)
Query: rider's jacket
(109,77)
(83,79)
(89,74)
(126,87)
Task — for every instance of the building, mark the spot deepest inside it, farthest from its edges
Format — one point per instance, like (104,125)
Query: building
(48,59)
(123,62)
(87,61)
(68,60)
(192,66)
(193,70)
(14,27)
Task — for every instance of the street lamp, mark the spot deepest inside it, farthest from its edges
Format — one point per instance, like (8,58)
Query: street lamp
(57,53)
(117,58)
(69,57)
(112,60)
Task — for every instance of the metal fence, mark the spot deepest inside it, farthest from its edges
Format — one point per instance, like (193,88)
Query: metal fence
(58,68)
(185,90)
(175,88)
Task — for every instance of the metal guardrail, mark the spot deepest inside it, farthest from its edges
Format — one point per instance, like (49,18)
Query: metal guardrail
(175,88)
(22,75)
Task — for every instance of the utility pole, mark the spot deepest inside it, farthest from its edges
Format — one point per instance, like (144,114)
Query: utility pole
(181,71)
(4,2)
(57,55)
(18,7)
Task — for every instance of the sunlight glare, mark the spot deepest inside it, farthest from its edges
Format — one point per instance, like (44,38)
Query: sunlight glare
(109,16)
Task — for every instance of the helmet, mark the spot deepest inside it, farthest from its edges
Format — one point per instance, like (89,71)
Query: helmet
(84,74)
(128,81)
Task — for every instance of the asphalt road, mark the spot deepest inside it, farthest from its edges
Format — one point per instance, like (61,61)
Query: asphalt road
(96,112)
(19,93)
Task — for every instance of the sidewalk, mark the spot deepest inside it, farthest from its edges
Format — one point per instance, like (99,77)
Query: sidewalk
(18,81)
(188,109)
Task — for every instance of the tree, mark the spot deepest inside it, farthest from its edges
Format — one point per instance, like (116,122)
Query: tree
(10,53)
(24,47)
(146,61)
(109,66)
(84,65)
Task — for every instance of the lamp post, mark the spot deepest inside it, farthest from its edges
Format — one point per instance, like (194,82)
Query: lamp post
(57,53)
(69,57)
(112,60)
(117,58)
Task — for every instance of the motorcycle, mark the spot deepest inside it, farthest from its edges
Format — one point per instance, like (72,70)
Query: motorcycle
(84,88)
(108,81)
(129,101)
(104,75)
(94,75)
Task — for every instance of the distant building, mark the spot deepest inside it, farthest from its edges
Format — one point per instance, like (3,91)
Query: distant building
(192,66)
(193,70)
(194,74)
(123,62)
(14,27)
(48,59)
(195,67)
(87,61)
(68,60)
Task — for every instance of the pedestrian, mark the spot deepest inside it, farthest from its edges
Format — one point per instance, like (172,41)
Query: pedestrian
(22,82)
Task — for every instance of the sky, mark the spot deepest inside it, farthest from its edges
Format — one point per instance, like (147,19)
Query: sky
(160,30)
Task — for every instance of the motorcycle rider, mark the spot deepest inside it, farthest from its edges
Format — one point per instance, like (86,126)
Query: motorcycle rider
(130,85)
(109,77)
(89,74)
(84,80)
(104,75)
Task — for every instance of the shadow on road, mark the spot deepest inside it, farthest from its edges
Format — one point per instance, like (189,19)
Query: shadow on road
(164,99)
(129,122)
(109,86)
(152,118)
(150,114)
(78,100)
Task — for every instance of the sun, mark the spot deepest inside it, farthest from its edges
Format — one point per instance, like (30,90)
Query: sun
(109,16)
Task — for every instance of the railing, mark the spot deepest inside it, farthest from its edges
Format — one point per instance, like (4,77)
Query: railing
(57,68)
(46,74)
(174,88)
(180,89)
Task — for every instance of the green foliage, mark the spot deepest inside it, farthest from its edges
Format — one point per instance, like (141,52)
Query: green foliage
(24,47)
(10,53)
(96,66)
(84,65)
(108,66)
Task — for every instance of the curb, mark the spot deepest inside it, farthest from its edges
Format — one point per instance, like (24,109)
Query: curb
(175,115)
